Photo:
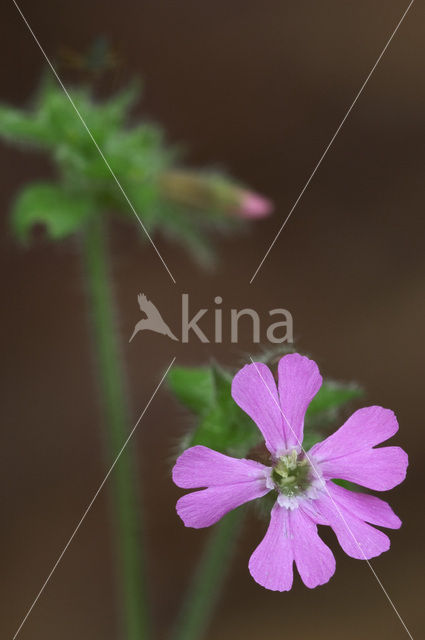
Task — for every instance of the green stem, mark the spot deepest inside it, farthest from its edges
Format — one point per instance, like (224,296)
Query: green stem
(127,513)
(209,577)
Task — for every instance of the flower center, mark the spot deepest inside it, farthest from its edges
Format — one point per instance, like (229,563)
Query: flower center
(291,474)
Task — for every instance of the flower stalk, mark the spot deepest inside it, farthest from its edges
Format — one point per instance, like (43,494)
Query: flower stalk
(208,579)
(127,515)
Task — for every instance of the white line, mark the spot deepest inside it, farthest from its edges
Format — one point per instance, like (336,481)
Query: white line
(320,478)
(331,142)
(93,140)
(92,502)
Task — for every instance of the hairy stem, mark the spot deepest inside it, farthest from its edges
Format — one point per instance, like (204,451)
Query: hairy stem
(124,479)
(208,578)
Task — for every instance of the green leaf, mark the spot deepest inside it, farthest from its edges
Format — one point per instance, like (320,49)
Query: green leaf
(333,396)
(228,432)
(311,437)
(21,127)
(193,387)
(223,386)
(61,213)
(118,106)
(222,426)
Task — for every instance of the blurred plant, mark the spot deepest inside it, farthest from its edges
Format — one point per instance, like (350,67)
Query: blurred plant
(183,205)
(220,424)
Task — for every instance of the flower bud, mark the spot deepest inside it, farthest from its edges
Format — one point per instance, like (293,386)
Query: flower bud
(209,191)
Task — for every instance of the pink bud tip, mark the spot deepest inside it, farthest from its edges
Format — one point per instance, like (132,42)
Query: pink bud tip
(254,206)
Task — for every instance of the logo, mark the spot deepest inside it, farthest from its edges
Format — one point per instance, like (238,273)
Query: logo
(277,332)
(153,320)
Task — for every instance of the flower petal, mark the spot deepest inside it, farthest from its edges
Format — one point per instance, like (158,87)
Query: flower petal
(204,508)
(364,429)
(315,561)
(254,390)
(358,539)
(200,466)
(379,469)
(271,563)
(364,506)
(349,454)
(299,381)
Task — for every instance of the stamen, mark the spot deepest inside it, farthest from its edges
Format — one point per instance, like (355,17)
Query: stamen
(291,475)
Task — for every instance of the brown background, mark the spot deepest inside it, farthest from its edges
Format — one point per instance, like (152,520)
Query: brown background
(259,87)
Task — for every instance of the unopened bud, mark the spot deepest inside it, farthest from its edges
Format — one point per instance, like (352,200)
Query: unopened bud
(206,191)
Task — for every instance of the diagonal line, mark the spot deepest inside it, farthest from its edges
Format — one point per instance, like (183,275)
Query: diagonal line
(92,502)
(102,155)
(322,481)
(322,157)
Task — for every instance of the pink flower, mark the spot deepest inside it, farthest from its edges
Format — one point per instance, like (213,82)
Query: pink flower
(301,481)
